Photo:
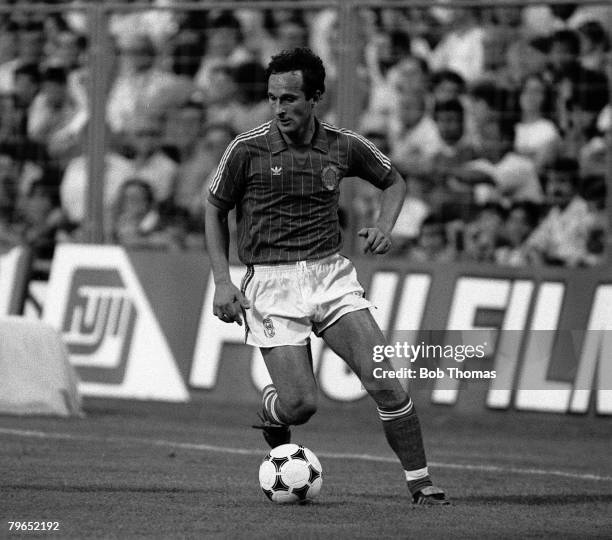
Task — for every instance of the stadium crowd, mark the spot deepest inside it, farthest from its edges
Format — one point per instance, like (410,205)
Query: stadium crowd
(497,117)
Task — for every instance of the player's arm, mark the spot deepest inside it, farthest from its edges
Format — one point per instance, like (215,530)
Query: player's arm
(228,300)
(377,239)
(368,162)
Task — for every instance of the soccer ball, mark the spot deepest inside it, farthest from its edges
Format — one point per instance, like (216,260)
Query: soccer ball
(290,473)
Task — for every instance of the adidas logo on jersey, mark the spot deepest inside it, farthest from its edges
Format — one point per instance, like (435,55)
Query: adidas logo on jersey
(276,171)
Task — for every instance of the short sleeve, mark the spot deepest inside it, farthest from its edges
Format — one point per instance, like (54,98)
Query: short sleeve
(368,162)
(228,181)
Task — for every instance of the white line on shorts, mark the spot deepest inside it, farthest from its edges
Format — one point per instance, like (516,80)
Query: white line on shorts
(325,455)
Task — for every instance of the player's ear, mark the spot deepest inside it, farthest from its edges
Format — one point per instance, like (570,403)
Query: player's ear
(316,97)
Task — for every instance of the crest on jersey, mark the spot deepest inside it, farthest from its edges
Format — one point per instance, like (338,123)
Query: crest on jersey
(330,176)
(276,171)
(268,327)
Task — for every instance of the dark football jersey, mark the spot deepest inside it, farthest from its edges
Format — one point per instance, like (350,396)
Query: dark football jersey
(287,200)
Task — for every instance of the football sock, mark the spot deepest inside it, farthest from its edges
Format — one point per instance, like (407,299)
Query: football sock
(403,432)
(271,405)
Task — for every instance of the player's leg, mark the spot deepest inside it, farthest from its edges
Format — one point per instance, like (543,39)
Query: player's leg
(292,396)
(353,337)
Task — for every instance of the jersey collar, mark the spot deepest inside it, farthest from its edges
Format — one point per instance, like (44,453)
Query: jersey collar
(278,144)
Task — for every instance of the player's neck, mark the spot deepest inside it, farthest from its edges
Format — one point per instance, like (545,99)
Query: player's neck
(304,137)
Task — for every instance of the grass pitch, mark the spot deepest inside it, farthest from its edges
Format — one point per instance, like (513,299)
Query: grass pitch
(140,470)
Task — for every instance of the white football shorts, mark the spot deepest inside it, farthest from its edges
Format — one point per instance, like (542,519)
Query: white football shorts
(289,301)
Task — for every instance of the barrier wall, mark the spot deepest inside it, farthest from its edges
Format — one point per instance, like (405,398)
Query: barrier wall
(139,325)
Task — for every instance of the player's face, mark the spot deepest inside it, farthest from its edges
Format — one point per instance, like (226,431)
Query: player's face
(292,110)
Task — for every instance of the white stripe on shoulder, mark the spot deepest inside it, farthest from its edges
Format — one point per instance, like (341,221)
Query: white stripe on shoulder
(247,135)
(384,160)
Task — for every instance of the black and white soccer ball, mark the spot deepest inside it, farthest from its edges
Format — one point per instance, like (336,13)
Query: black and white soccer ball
(290,473)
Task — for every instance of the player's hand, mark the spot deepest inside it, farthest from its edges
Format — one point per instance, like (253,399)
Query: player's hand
(229,302)
(375,240)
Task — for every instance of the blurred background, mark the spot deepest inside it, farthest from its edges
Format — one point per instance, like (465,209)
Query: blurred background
(114,116)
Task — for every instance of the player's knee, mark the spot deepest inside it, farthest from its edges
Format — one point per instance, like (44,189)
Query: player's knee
(302,408)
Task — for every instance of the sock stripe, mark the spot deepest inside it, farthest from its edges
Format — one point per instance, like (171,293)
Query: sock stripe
(266,401)
(272,409)
(270,389)
(417,474)
(386,415)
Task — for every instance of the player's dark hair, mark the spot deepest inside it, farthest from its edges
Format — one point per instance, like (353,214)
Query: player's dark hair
(304,60)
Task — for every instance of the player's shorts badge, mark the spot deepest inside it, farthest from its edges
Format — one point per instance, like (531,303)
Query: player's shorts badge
(330,176)
(268,327)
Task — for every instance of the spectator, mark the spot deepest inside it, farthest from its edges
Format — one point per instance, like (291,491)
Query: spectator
(136,215)
(157,24)
(291,33)
(453,152)
(447,85)
(525,56)
(54,119)
(140,222)
(216,139)
(561,238)
(75,184)
(480,235)
(198,149)
(274,32)
(537,137)
(594,46)
(223,47)
(148,161)
(461,49)
(66,51)
(391,73)
(30,43)
(486,101)
(570,79)
(18,173)
(583,139)
(8,40)
(513,176)
(414,136)
(9,178)
(252,96)
(594,191)
(221,97)
(39,221)
(140,87)
(520,222)
(15,112)
(432,242)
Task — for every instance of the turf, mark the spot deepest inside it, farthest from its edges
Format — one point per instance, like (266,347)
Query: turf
(157,471)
